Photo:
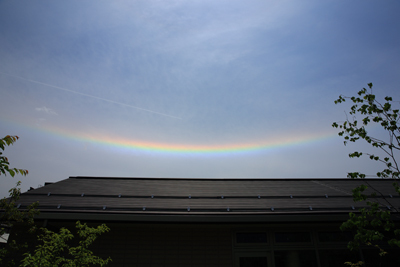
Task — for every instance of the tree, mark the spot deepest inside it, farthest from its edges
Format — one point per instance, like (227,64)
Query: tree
(54,248)
(4,164)
(10,213)
(373,225)
(51,250)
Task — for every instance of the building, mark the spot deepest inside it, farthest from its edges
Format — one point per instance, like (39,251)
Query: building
(214,222)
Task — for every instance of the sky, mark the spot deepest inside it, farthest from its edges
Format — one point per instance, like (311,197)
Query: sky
(189,89)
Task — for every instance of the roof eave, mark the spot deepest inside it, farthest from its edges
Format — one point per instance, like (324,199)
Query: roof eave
(195,218)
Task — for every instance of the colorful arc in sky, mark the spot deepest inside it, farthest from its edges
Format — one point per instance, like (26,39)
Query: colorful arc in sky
(115,141)
(232,149)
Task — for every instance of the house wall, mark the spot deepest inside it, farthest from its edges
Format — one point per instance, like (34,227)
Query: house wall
(236,245)
(174,244)
(131,244)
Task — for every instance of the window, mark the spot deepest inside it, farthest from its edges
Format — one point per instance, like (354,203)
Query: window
(334,236)
(298,258)
(337,257)
(292,237)
(253,259)
(251,237)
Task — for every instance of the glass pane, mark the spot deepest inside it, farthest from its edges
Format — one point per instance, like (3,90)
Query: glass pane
(251,237)
(292,237)
(253,261)
(296,258)
(334,236)
(334,258)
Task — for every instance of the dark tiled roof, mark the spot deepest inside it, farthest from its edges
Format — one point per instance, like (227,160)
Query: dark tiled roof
(204,197)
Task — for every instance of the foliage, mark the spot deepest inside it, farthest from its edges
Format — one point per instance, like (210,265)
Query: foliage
(4,164)
(9,210)
(351,264)
(54,247)
(10,214)
(373,226)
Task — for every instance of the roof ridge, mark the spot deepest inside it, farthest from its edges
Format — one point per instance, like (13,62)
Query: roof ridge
(222,179)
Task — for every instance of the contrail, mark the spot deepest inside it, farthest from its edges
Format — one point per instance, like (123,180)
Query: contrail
(92,96)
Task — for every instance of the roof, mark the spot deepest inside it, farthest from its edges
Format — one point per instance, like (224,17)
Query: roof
(228,200)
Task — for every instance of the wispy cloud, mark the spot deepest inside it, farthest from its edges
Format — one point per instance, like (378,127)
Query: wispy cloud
(46,110)
(91,96)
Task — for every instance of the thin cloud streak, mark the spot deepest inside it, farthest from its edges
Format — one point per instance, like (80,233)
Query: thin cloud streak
(92,96)
(47,110)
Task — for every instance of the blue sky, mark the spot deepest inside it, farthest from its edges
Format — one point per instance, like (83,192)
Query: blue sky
(189,73)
